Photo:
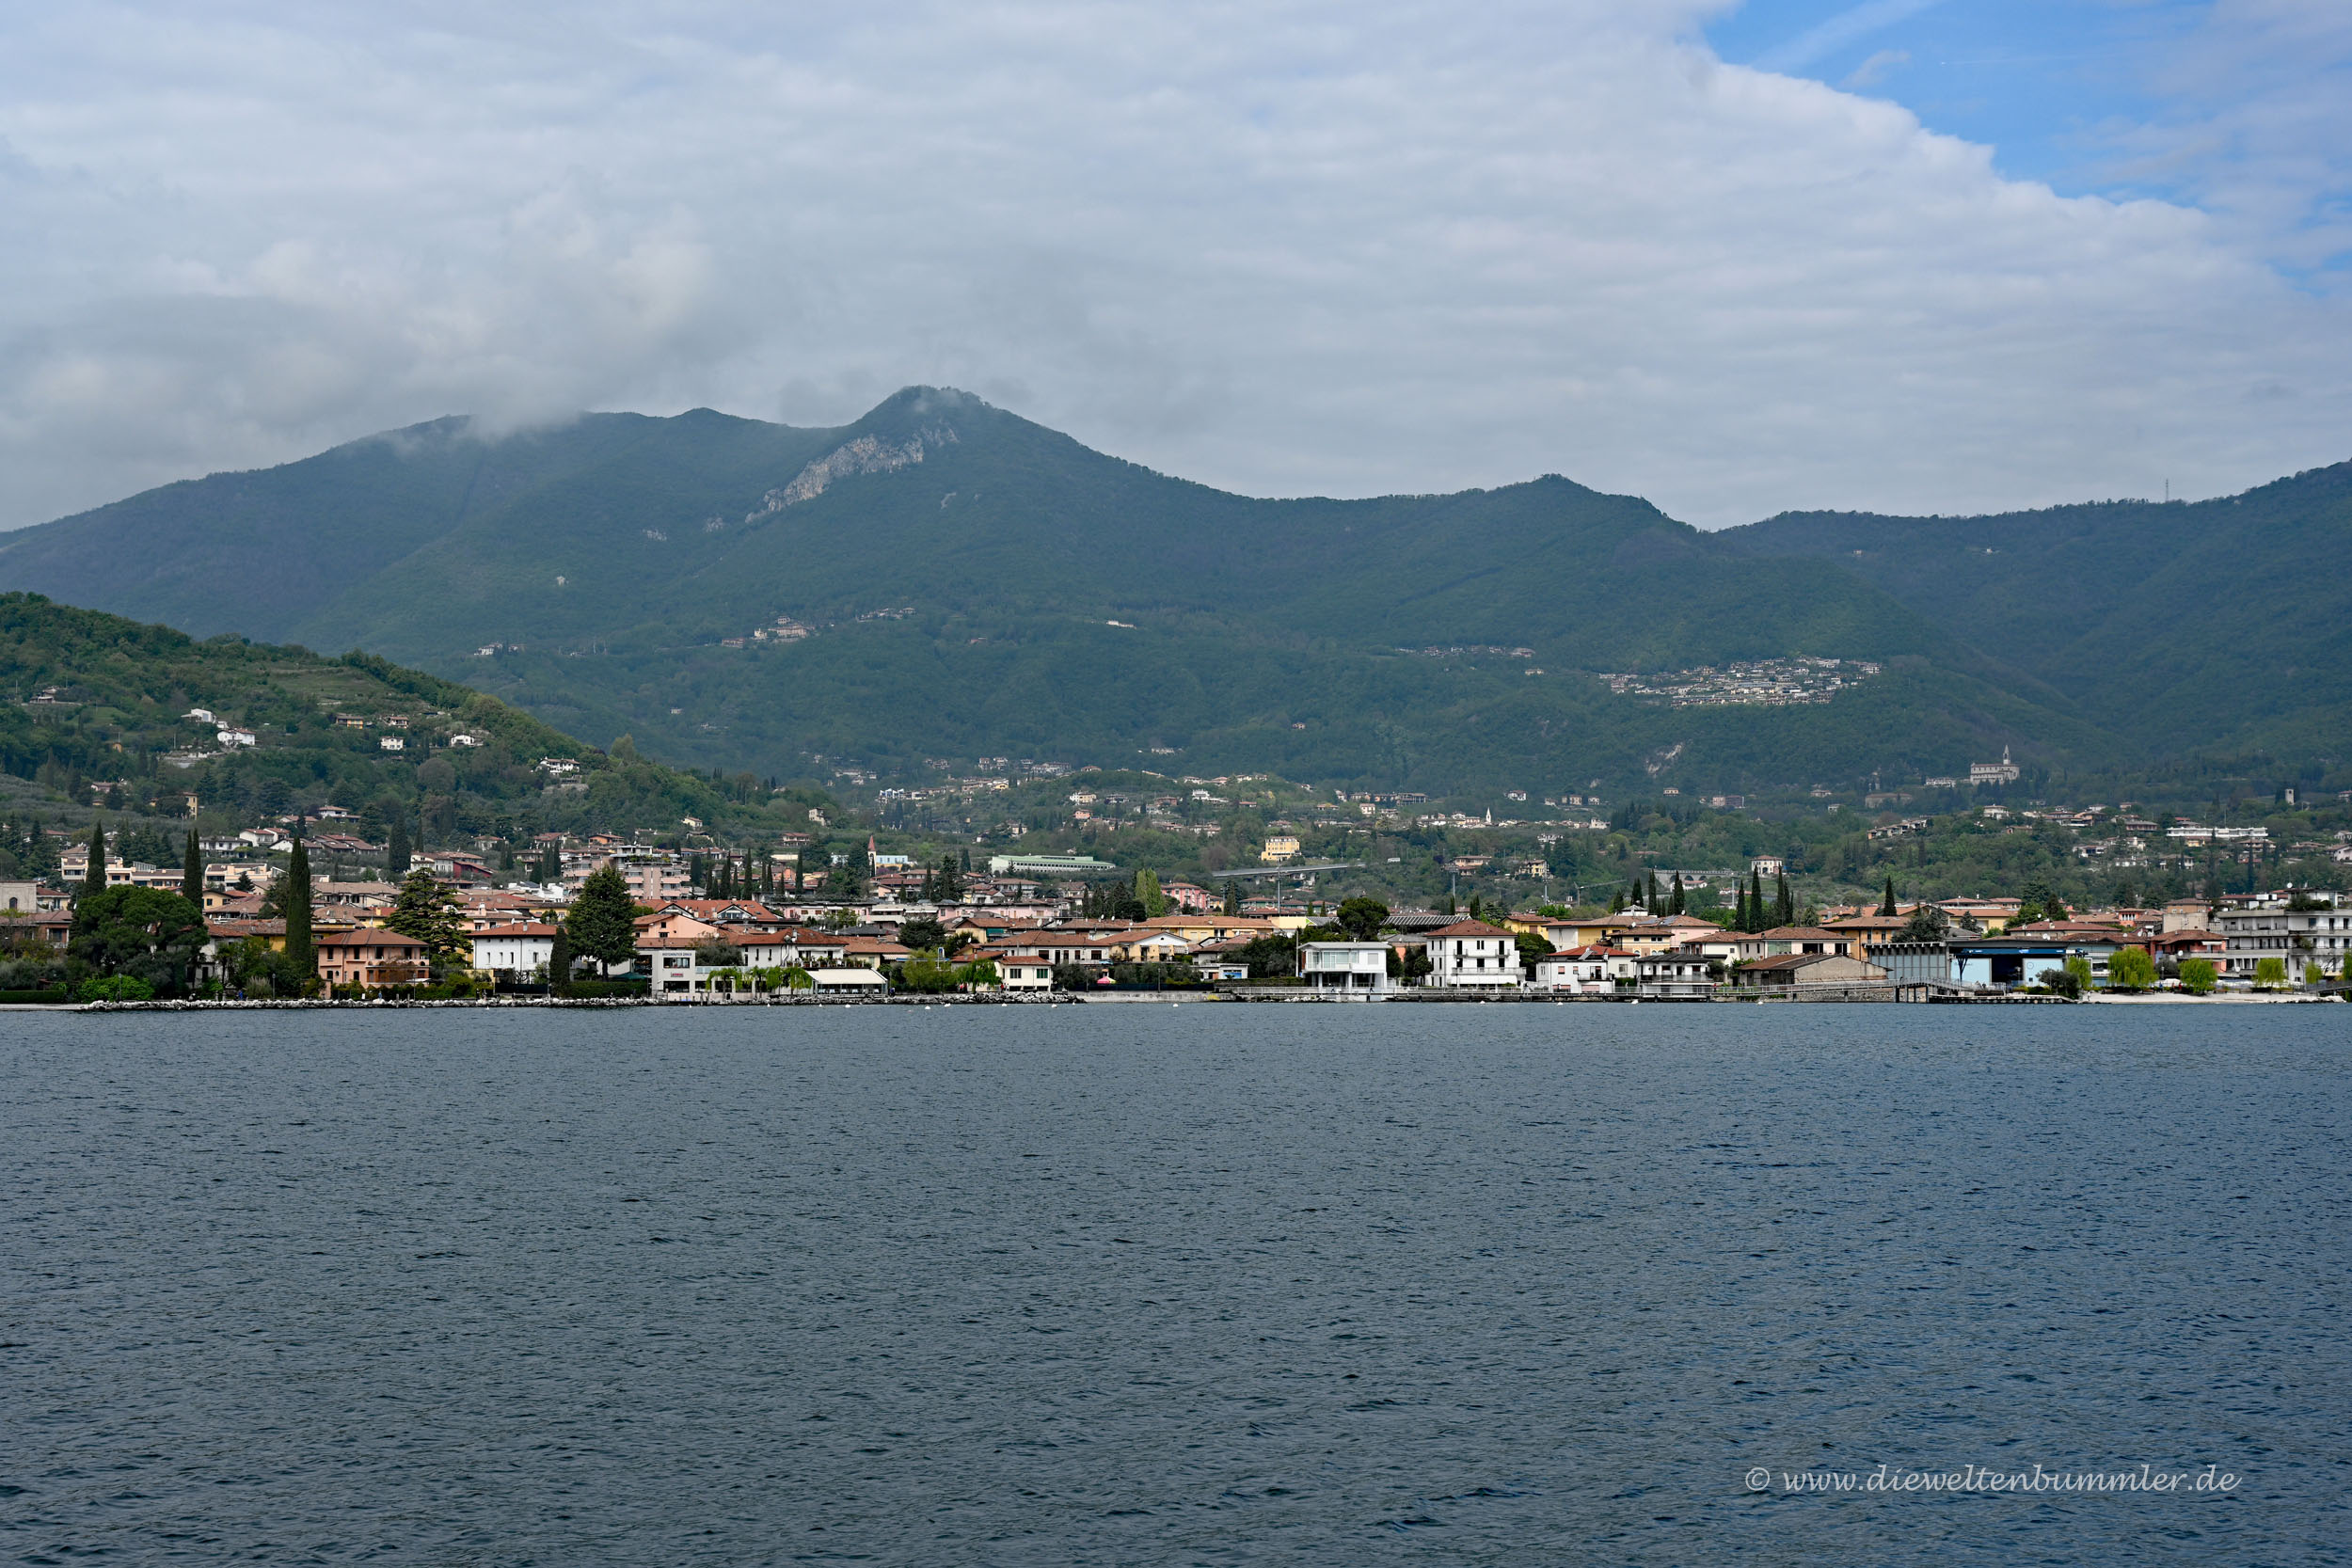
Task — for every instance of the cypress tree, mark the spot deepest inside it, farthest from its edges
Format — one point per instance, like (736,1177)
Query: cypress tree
(93,879)
(396,854)
(1674,904)
(560,964)
(1886,904)
(1783,911)
(192,872)
(295,901)
(1740,916)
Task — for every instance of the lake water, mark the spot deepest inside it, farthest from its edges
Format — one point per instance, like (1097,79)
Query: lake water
(1109,1285)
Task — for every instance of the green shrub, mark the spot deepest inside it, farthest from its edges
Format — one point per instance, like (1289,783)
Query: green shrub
(115,987)
(594,990)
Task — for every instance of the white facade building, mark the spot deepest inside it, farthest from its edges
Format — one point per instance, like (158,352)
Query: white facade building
(1360,967)
(1590,970)
(518,951)
(1472,953)
(2295,936)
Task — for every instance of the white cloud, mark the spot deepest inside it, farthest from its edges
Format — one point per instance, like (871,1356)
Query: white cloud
(1287,247)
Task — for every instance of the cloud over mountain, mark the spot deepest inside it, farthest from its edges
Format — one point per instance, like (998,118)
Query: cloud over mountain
(1285,247)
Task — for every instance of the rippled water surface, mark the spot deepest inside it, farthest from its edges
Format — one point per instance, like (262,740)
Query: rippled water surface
(1152,1285)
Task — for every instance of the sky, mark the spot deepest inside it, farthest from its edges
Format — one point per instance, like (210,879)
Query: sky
(1922,256)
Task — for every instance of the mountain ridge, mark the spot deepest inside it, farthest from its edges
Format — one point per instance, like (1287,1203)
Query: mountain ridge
(961,572)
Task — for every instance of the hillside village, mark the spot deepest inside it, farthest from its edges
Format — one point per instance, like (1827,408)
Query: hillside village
(283,823)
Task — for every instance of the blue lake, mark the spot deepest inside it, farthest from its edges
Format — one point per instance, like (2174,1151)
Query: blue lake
(1210,1284)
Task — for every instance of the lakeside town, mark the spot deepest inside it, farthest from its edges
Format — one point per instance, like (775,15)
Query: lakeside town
(243,917)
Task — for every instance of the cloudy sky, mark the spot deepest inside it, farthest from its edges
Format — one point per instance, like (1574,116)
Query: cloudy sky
(1897,255)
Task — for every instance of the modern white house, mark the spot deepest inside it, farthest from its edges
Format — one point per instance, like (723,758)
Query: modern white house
(1358,968)
(1472,952)
(2296,937)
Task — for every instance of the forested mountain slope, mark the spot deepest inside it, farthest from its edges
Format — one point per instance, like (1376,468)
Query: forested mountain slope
(955,582)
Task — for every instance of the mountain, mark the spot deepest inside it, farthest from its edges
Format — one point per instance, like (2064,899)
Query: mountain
(956,583)
(2171,623)
(95,698)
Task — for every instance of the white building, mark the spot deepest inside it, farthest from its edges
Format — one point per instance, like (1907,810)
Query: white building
(2297,937)
(515,952)
(1590,970)
(2003,771)
(1360,967)
(1472,953)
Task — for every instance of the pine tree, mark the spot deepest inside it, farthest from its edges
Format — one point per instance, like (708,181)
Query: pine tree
(602,921)
(192,871)
(428,912)
(294,899)
(1886,904)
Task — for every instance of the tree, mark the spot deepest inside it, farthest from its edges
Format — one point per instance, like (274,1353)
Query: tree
(2198,976)
(1362,918)
(192,871)
(396,853)
(1927,924)
(293,901)
(428,912)
(147,933)
(1532,949)
(1416,967)
(1886,904)
(93,879)
(2132,969)
(1784,910)
(2313,974)
(2270,973)
(1233,897)
(1758,916)
(551,863)
(1148,894)
(1677,901)
(923,933)
(603,919)
(560,964)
